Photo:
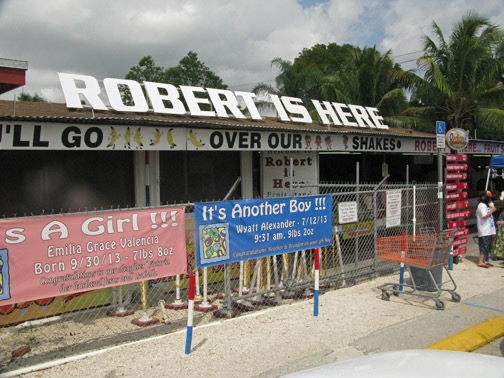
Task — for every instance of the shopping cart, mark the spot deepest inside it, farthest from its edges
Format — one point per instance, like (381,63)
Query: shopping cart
(423,252)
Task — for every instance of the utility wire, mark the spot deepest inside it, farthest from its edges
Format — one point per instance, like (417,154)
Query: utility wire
(410,53)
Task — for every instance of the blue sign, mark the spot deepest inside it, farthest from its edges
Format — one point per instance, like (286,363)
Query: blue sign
(233,231)
(4,275)
(440,128)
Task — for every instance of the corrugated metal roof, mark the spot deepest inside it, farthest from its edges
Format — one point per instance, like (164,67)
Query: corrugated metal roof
(14,63)
(12,111)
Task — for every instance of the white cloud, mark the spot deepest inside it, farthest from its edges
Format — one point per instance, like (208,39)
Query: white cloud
(235,39)
(409,21)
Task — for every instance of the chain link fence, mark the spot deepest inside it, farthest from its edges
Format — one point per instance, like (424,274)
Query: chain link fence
(39,331)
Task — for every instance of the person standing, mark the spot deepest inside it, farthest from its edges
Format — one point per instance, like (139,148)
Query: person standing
(486,228)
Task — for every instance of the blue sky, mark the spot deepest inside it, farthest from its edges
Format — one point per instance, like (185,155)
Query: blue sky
(310,3)
(235,39)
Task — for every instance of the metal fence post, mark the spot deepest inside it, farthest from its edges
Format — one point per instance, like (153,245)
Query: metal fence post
(357,187)
(440,189)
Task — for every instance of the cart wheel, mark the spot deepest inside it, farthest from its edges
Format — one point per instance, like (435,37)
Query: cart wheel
(456,297)
(439,304)
(395,290)
(385,295)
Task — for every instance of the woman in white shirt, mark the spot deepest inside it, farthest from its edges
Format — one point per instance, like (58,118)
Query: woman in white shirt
(486,228)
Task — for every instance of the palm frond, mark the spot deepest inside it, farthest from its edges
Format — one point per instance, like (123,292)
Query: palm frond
(425,112)
(413,123)
(392,102)
(263,88)
(493,96)
(490,118)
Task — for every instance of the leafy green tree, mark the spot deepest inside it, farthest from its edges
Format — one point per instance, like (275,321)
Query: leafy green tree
(304,77)
(31,98)
(461,80)
(329,58)
(316,64)
(191,71)
(368,80)
(146,70)
(342,74)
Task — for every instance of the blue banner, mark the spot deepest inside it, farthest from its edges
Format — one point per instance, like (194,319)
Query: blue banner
(233,231)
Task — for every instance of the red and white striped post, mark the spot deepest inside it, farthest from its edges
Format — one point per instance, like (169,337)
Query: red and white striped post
(316,262)
(190,313)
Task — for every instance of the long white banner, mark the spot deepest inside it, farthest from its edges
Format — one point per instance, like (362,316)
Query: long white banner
(61,136)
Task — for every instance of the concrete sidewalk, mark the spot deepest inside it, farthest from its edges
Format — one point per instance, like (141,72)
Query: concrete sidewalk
(352,322)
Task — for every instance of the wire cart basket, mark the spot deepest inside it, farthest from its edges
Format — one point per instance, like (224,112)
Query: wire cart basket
(423,252)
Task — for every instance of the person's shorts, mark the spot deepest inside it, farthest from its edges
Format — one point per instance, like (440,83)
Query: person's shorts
(485,244)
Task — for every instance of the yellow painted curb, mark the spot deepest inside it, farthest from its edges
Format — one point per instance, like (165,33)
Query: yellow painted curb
(472,338)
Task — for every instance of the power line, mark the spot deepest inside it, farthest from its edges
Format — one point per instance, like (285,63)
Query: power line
(408,61)
(410,53)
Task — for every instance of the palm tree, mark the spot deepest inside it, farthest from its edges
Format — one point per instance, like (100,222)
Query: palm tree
(289,82)
(462,79)
(340,73)
(368,81)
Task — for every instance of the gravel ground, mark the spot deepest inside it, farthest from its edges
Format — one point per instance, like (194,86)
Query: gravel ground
(275,341)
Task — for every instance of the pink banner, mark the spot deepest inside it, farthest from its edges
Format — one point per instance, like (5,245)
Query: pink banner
(51,256)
